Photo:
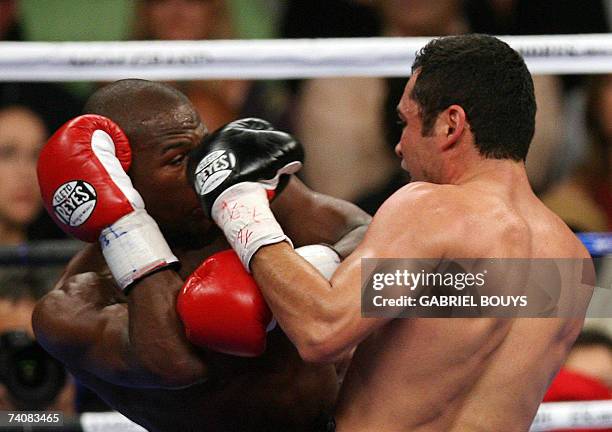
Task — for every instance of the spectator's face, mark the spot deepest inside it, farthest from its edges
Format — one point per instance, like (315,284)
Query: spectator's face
(180,19)
(595,361)
(421,17)
(21,136)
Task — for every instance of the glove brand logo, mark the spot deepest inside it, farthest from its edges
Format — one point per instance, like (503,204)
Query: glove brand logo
(74,202)
(213,169)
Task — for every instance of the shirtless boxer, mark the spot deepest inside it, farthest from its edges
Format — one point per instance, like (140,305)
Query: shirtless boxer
(468,118)
(131,349)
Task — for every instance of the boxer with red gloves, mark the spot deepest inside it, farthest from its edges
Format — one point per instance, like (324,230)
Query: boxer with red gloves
(86,190)
(126,186)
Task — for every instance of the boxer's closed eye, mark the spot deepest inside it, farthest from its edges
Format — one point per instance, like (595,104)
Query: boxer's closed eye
(178,159)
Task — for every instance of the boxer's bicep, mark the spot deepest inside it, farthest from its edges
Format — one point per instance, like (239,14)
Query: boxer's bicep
(80,329)
(157,335)
(308,217)
(397,231)
(113,358)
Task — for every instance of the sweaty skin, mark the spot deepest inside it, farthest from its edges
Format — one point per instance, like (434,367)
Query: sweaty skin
(432,374)
(132,350)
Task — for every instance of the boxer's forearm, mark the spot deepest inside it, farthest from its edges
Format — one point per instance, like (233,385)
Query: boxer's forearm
(157,336)
(306,306)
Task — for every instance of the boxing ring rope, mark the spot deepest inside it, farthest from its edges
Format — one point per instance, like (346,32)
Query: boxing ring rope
(40,253)
(280,59)
(59,252)
(272,59)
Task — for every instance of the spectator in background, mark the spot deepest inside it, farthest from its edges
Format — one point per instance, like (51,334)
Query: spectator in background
(592,356)
(217,101)
(42,383)
(329,19)
(542,17)
(530,17)
(52,105)
(51,101)
(586,374)
(346,124)
(584,199)
(22,133)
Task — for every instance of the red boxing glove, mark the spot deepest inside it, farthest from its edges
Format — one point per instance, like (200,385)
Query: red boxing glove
(78,191)
(222,308)
(85,189)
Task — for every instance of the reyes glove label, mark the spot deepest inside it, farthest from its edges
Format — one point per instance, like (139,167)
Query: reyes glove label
(213,170)
(74,202)
(247,150)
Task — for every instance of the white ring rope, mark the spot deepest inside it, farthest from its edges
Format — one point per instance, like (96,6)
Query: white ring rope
(573,415)
(272,59)
(108,421)
(553,415)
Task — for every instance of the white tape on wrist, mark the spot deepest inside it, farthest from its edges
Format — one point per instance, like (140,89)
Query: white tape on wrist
(134,247)
(322,257)
(243,213)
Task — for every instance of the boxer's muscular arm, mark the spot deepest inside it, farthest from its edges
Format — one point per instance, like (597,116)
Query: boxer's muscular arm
(323,319)
(308,217)
(85,322)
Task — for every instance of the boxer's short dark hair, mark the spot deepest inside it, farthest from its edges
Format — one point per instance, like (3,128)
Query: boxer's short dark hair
(489,80)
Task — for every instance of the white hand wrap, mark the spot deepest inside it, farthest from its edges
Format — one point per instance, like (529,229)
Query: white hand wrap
(321,257)
(243,213)
(133,247)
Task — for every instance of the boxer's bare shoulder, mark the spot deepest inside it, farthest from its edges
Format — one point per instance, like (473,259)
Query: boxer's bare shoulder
(419,215)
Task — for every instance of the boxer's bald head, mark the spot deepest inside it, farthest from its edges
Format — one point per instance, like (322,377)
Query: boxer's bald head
(140,106)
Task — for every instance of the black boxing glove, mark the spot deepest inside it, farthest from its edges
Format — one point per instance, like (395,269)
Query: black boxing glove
(236,171)
(245,150)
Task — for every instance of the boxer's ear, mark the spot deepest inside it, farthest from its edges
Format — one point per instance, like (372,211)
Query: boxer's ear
(452,123)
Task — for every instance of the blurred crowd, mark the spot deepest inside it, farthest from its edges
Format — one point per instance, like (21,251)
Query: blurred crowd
(347,125)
